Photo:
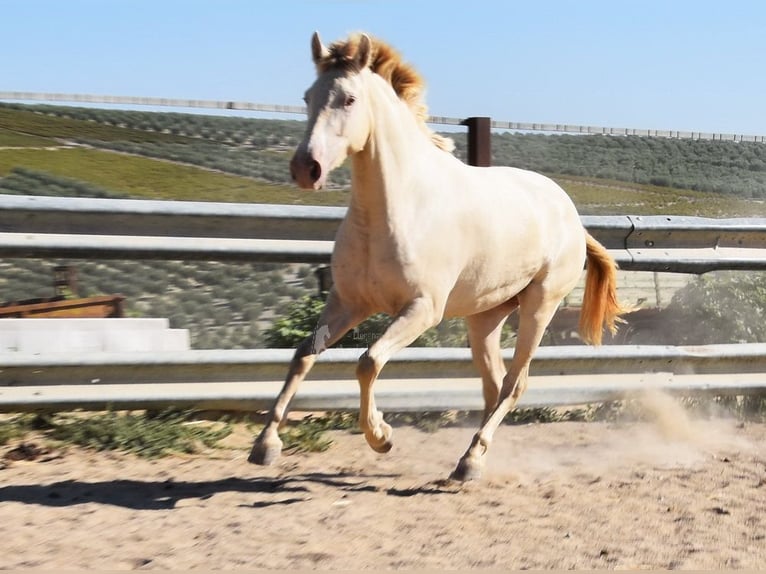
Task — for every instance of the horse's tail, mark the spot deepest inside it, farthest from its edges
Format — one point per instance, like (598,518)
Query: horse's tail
(600,307)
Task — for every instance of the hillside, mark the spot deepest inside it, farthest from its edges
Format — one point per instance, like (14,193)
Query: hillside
(148,161)
(736,169)
(56,150)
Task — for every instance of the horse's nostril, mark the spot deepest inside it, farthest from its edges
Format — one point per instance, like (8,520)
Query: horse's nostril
(315,171)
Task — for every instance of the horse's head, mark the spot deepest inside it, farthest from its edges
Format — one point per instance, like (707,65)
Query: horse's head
(338,122)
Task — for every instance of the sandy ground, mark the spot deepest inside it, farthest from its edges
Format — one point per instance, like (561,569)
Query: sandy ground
(679,494)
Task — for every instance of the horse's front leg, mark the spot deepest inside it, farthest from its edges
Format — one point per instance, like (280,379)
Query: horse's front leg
(335,321)
(417,316)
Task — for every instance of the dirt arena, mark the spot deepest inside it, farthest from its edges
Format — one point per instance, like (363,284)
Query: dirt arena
(679,494)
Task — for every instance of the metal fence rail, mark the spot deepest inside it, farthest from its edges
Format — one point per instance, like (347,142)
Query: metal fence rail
(143,229)
(96,216)
(415,379)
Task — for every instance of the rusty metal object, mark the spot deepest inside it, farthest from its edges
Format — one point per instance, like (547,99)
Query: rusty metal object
(85,307)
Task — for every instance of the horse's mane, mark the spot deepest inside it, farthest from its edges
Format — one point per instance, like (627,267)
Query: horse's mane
(386,62)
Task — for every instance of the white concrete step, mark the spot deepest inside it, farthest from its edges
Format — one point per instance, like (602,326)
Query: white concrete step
(74,335)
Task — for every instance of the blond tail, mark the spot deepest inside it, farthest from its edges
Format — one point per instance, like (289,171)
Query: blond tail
(600,307)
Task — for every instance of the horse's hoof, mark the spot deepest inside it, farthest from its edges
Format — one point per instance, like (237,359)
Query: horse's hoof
(264,454)
(383,447)
(466,470)
(381,441)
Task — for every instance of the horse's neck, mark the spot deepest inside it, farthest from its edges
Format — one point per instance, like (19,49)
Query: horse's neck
(384,178)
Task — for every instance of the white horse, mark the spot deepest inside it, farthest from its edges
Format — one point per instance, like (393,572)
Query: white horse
(427,237)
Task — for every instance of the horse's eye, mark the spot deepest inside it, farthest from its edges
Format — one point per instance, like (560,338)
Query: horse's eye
(349,100)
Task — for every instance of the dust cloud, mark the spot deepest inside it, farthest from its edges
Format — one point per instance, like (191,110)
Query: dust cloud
(665,436)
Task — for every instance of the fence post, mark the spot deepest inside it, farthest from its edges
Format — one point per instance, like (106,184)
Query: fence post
(479,143)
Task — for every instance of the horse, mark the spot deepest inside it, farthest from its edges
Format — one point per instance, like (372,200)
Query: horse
(428,237)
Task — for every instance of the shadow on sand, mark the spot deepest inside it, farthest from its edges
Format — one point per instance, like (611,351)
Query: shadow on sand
(165,495)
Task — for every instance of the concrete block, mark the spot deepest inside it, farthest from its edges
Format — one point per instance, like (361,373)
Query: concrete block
(65,335)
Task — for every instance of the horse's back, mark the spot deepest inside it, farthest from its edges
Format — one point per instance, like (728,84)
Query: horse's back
(513,186)
(506,205)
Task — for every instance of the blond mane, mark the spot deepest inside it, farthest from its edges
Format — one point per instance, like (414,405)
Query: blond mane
(387,63)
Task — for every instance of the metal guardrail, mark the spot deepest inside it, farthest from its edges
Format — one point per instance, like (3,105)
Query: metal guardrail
(168,248)
(118,229)
(142,217)
(415,379)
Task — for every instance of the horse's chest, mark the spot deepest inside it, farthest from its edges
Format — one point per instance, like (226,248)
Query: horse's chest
(378,276)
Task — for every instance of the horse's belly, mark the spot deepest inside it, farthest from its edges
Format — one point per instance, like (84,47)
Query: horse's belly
(468,298)
(489,280)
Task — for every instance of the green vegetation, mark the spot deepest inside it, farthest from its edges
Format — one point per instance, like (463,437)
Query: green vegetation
(15,427)
(134,154)
(59,122)
(301,318)
(24,181)
(152,434)
(309,434)
(146,434)
(612,197)
(15,139)
(730,168)
(138,177)
(589,167)
(720,306)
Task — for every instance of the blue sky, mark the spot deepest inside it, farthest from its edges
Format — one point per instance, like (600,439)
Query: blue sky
(658,64)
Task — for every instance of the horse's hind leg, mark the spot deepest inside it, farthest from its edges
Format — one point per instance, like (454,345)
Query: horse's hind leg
(335,321)
(419,315)
(484,333)
(536,309)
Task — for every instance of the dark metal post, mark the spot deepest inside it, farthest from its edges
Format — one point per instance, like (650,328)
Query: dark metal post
(479,143)
(65,280)
(324,280)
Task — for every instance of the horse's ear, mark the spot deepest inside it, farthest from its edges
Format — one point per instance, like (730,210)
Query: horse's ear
(319,51)
(364,52)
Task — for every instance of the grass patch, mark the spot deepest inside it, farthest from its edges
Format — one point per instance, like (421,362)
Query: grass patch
(432,421)
(141,177)
(52,126)
(523,416)
(146,434)
(157,434)
(308,435)
(609,197)
(149,435)
(16,427)
(10,138)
